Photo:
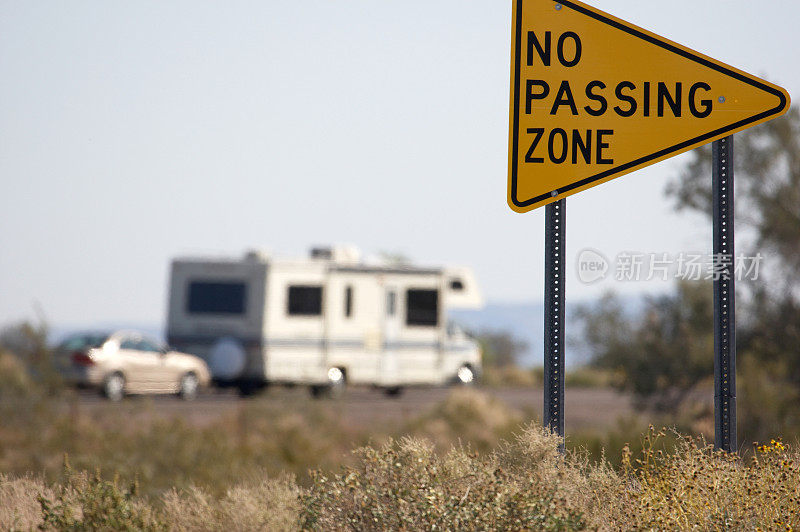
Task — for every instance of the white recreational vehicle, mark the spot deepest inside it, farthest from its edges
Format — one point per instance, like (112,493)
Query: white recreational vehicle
(323,321)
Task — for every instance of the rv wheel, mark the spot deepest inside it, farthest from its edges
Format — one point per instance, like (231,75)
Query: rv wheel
(248,388)
(393,391)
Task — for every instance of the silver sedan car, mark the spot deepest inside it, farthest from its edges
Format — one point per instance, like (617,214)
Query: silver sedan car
(127,362)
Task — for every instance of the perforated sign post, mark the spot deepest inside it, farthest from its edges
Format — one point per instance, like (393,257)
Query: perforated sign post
(594,97)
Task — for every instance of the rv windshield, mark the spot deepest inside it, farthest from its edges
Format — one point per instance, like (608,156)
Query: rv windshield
(454,330)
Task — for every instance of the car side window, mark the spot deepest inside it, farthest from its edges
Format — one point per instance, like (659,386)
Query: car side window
(129,343)
(148,345)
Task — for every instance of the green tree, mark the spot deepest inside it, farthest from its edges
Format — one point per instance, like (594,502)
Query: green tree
(767,195)
(659,354)
(27,343)
(767,190)
(500,348)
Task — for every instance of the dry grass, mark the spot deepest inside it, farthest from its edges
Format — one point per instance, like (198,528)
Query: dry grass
(696,487)
(19,509)
(515,376)
(471,462)
(467,417)
(405,484)
(164,453)
(511,375)
(265,504)
(160,453)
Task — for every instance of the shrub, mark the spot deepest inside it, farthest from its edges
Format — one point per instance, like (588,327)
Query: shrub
(14,379)
(163,452)
(264,504)
(514,376)
(468,416)
(87,502)
(697,487)
(19,509)
(406,485)
(526,483)
(587,377)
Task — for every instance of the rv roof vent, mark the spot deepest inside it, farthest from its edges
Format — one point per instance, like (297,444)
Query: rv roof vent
(322,253)
(339,254)
(346,254)
(257,255)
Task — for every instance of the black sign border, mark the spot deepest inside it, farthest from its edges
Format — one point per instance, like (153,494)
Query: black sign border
(666,151)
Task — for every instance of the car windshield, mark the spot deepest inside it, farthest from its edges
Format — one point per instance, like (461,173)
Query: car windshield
(80,342)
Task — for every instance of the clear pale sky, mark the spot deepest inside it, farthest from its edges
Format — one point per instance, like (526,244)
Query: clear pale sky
(133,132)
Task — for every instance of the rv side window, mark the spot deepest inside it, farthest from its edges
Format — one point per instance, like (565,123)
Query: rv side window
(456,285)
(305,301)
(422,307)
(348,301)
(206,297)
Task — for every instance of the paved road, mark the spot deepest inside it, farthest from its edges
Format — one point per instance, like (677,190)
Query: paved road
(585,408)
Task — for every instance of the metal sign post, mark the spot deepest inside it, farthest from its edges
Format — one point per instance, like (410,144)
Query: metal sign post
(555,217)
(724,308)
(578,118)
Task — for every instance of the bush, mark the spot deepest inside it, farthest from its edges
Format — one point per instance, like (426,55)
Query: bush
(587,377)
(263,504)
(467,416)
(87,502)
(768,402)
(136,442)
(673,483)
(515,376)
(14,379)
(19,508)
(406,485)
(659,354)
(27,342)
(697,487)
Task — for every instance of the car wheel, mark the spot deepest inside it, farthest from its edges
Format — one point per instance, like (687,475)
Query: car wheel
(114,387)
(465,376)
(187,390)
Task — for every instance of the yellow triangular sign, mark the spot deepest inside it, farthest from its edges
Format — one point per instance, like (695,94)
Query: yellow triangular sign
(594,97)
